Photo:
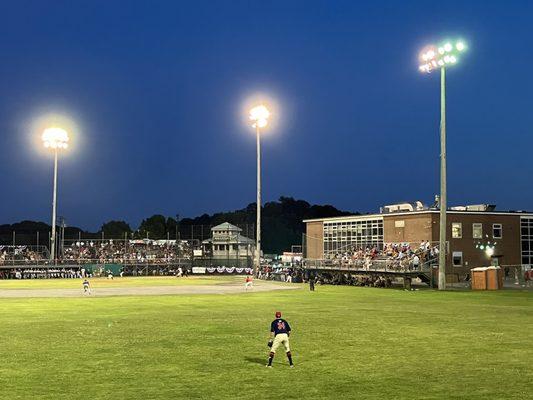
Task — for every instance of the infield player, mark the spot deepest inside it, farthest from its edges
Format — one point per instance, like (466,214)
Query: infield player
(248,283)
(86,286)
(280,331)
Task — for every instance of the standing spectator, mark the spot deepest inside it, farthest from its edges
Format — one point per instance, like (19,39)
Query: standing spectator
(416,262)
(528,277)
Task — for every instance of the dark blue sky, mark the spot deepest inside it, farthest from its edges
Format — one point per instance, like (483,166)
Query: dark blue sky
(156,89)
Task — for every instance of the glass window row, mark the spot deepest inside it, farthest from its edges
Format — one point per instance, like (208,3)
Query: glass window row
(526,230)
(477,230)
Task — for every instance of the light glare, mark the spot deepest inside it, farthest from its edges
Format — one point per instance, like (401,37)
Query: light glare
(433,58)
(261,123)
(259,115)
(55,138)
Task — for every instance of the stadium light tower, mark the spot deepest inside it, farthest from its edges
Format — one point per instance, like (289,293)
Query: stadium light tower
(434,58)
(55,139)
(259,116)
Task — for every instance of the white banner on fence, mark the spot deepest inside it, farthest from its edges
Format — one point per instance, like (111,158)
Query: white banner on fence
(198,270)
(222,270)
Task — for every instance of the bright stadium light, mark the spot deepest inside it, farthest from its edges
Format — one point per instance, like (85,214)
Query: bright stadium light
(434,58)
(437,57)
(259,116)
(56,139)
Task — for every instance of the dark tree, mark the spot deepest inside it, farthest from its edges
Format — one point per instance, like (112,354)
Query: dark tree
(282,225)
(154,227)
(115,229)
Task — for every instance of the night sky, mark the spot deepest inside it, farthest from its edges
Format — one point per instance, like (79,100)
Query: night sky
(157,91)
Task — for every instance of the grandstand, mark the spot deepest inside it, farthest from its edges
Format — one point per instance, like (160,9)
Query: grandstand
(403,260)
(129,256)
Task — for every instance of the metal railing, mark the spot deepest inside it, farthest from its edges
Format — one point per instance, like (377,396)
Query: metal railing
(376,265)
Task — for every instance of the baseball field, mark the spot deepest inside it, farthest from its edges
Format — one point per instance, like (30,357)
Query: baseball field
(347,342)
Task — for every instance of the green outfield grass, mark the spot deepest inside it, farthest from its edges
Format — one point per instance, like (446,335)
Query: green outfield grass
(117,282)
(348,343)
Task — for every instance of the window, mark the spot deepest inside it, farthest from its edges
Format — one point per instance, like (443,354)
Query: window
(457,258)
(497,231)
(457,230)
(340,237)
(477,231)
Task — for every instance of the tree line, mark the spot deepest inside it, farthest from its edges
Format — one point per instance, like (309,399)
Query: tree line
(282,225)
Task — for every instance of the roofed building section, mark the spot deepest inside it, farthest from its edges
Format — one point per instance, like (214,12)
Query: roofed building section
(226,226)
(470,231)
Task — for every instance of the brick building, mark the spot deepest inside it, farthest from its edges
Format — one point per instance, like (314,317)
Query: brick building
(476,235)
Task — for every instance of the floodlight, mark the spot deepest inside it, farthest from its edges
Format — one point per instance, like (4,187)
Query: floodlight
(259,115)
(55,138)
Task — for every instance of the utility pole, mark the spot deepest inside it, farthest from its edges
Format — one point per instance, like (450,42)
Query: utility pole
(257,265)
(442,231)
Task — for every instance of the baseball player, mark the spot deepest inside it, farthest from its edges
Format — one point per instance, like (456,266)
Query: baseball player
(86,286)
(279,334)
(248,283)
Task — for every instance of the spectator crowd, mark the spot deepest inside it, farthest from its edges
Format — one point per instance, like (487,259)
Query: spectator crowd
(133,251)
(101,252)
(392,257)
(21,254)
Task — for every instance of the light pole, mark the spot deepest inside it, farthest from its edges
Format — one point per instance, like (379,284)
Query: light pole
(434,58)
(259,116)
(55,139)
